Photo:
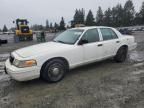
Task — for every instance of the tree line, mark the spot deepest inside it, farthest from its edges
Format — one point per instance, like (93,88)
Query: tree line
(51,26)
(47,27)
(117,16)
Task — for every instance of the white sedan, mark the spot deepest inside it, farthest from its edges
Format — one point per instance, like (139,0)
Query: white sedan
(72,48)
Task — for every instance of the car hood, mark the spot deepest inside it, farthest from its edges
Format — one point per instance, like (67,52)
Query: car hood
(45,48)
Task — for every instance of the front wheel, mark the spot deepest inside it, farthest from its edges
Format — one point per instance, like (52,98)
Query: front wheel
(121,54)
(54,70)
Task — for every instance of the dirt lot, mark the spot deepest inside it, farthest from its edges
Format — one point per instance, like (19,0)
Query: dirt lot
(105,84)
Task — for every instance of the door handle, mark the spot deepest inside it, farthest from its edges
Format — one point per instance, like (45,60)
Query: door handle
(117,41)
(99,45)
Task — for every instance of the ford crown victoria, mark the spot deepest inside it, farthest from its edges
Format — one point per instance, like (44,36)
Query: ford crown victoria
(72,48)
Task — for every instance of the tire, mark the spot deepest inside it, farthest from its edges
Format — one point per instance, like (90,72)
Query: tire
(54,70)
(121,54)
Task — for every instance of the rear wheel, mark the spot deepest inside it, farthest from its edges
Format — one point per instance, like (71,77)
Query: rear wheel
(54,70)
(121,54)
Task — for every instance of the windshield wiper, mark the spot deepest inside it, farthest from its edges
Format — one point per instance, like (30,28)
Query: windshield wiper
(54,41)
(59,41)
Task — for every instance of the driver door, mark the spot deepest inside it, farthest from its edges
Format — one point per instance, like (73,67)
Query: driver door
(93,49)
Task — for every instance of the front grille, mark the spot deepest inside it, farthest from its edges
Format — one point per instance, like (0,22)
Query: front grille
(11,58)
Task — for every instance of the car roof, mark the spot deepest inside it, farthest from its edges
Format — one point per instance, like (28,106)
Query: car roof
(91,27)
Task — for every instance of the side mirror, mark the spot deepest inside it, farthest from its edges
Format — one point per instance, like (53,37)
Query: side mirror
(81,42)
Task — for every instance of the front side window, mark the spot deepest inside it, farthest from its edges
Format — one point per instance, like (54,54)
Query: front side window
(69,36)
(91,36)
(108,34)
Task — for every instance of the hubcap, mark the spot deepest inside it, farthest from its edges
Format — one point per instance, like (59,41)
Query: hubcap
(55,71)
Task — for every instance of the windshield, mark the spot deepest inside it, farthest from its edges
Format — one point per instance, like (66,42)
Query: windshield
(69,36)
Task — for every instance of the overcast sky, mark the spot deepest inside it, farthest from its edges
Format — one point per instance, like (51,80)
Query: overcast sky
(37,11)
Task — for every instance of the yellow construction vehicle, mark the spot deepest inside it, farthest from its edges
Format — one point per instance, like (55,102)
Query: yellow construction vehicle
(23,32)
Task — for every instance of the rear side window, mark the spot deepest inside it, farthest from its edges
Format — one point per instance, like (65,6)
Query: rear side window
(108,34)
(91,35)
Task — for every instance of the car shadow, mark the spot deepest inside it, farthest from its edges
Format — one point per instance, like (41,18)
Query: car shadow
(91,66)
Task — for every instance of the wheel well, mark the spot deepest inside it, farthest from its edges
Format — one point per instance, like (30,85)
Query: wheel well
(124,46)
(61,58)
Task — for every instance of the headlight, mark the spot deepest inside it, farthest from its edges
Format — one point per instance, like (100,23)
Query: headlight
(26,63)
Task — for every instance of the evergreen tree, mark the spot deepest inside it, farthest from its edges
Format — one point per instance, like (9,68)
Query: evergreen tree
(82,16)
(90,19)
(40,27)
(114,16)
(120,15)
(129,13)
(56,26)
(141,14)
(5,29)
(79,17)
(62,24)
(76,18)
(108,17)
(117,16)
(138,19)
(99,16)
(51,25)
(47,24)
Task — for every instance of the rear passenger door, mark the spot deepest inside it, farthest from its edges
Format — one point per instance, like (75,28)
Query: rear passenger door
(93,49)
(110,42)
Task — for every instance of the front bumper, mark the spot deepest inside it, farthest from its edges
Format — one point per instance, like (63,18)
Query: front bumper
(22,74)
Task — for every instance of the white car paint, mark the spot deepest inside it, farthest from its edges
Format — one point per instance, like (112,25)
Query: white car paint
(76,55)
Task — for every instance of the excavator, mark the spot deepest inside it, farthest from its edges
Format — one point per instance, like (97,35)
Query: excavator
(23,32)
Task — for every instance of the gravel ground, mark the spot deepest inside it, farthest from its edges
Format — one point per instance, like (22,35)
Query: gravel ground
(105,84)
